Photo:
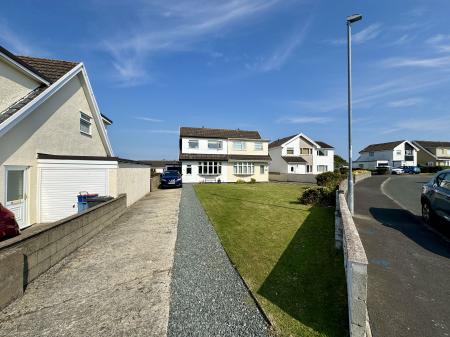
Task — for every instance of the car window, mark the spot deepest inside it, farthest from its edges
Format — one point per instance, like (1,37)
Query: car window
(444,181)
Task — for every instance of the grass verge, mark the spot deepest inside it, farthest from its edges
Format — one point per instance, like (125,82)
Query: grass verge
(285,252)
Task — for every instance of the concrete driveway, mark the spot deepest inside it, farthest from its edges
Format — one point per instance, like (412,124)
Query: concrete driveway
(409,265)
(118,284)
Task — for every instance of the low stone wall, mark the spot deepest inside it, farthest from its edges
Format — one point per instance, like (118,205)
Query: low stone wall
(154,182)
(25,257)
(355,261)
(291,177)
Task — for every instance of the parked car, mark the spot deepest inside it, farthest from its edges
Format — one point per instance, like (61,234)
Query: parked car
(8,224)
(171,178)
(435,198)
(411,169)
(397,170)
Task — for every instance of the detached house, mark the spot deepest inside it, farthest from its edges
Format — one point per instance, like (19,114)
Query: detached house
(433,153)
(223,155)
(393,154)
(298,154)
(53,141)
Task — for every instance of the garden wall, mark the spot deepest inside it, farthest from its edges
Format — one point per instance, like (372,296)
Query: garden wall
(133,180)
(355,261)
(25,257)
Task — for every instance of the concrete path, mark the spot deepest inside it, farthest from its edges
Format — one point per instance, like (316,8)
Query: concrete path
(409,266)
(208,297)
(115,285)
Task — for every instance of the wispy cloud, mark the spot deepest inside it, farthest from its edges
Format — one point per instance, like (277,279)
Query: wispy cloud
(403,103)
(440,42)
(17,44)
(422,125)
(149,119)
(163,131)
(367,34)
(187,23)
(431,62)
(305,119)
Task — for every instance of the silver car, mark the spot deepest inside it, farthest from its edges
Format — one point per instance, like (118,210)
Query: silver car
(435,198)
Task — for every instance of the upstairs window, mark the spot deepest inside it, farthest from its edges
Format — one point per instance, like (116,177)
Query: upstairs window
(305,150)
(322,153)
(85,124)
(258,146)
(290,150)
(215,144)
(239,145)
(398,152)
(371,154)
(193,144)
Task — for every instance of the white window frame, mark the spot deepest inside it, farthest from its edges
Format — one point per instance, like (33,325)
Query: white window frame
(398,152)
(308,151)
(87,120)
(371,154)
(290,149)
(259,146)
(193,141)
(189,168)
(322,166)
(243,168)
(209,168)
(262,169)
(239,145)
(322,153)
(215,145)
(309,168)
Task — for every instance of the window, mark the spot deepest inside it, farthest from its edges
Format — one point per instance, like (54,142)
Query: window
(408,152)
(430,163)
(258,146)
(209,168)
(305,150)
(239,145)
(361,165)
(322,153)
(215,144)
(371,154)
(322,168)
(243,168)
(443,181)
(261,169)
(398,152)
(189,169)
(290,150)
(85,123)
(193,144)
(308,168)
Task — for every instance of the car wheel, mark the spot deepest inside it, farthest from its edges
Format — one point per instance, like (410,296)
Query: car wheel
(427,213)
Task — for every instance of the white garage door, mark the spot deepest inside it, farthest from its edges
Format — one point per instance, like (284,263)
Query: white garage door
(60,187)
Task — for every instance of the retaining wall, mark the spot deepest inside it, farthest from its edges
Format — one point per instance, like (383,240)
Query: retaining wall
(355,261)
(291,177)
(25,257)
(154,182)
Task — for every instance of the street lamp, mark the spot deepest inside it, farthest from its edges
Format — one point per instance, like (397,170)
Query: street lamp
(350,198)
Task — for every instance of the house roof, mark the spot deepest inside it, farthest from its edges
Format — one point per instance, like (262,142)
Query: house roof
(281,141)
(202,156)
(161,163)
(96,158)
(249,157)
(324,145)
(382,146)
(289,159)
(218,133)
(432,143)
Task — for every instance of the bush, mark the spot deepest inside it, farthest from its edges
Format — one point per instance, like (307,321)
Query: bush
(382,170)
(252,181)
(433,169)
(318,196)
(240,181)
(330,180)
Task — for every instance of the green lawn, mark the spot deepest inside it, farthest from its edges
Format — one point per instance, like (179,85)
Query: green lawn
(285,252)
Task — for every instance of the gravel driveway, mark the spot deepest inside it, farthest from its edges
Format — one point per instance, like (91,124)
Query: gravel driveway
(208,297)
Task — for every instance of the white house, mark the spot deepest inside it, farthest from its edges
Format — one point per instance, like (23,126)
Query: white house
(213,155)
(298,154)
(393,154)
(54,142)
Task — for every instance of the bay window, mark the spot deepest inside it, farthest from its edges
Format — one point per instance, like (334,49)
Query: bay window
(243,168)
(209,168)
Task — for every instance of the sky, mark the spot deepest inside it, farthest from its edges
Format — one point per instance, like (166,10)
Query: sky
(276,66)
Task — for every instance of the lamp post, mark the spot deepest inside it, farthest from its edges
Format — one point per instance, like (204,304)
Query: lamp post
(350,198)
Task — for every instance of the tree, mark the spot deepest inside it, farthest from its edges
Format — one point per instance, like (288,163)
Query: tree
(339,162)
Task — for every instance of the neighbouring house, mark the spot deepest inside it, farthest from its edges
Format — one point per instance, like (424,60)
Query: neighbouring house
(298,154)
(159,166)
(433,153)
(394,154)
(223,155)
(54,142)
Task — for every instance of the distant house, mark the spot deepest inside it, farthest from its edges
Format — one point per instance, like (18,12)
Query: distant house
(393,154)
(159,166)
(433,153)
(298,154)
(223,155)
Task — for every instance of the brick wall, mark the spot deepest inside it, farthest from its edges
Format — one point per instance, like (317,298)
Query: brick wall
(30,254)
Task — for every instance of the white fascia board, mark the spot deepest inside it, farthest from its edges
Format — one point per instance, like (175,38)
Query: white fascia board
(98,118)
(298,136)
(35,103)
(412,144)
(24,70)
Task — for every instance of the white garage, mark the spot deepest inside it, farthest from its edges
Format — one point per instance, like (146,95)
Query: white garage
(61,180)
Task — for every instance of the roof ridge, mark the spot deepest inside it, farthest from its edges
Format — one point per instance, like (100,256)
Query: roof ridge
(222,129)
(48,59)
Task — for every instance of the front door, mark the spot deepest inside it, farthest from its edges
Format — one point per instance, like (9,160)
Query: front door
(16,194)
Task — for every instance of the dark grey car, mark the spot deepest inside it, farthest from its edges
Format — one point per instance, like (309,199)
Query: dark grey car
(436,197)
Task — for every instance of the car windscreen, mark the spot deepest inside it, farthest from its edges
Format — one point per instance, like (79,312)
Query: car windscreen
(170,174)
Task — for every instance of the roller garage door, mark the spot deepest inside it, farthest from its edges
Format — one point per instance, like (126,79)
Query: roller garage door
(60,183)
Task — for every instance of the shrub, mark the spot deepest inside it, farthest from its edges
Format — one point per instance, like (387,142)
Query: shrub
(329,180)
(382,170)
(252,181)
(433,169)
(320,196)
(240,181)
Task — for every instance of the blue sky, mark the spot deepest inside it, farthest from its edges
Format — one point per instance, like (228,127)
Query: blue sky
(277,66)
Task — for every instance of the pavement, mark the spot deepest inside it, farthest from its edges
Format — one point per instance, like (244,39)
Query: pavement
(118,284)
(208,297)
(409,265)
